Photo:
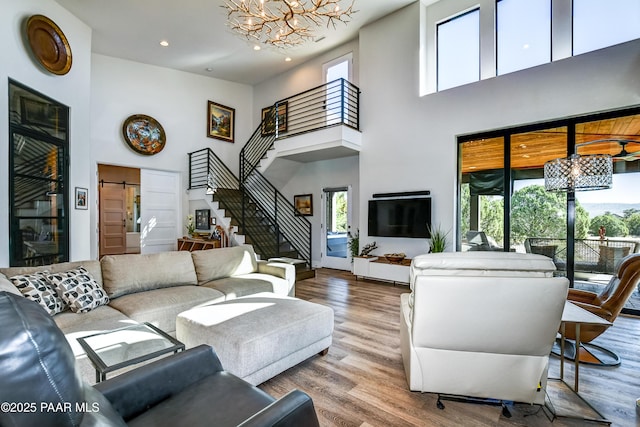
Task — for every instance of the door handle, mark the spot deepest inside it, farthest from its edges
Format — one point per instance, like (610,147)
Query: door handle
(124,223)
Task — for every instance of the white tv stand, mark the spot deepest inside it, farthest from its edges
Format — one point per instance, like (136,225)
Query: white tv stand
(380,269)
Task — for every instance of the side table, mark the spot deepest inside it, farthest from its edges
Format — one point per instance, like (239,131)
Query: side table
(579,316)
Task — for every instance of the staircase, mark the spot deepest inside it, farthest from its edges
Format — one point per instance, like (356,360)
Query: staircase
(266,218)
(258,228)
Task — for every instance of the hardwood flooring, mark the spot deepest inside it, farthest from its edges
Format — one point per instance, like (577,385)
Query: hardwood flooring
(361,381)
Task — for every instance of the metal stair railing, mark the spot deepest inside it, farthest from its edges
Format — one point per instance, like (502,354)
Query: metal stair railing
(206,170)
(287,226)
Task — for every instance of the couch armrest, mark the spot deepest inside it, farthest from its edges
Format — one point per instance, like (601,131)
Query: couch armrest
(294,409)
(134,392)
(278,269)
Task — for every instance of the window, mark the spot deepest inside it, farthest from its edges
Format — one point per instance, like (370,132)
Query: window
(463,48)
(38,178)
(523,34)
(458,49)
(503,204)
(598,24)
(334,71)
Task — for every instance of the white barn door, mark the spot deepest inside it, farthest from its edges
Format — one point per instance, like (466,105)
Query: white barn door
(159,216)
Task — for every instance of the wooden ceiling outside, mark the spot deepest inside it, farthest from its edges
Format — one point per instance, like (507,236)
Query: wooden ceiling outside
(531,150)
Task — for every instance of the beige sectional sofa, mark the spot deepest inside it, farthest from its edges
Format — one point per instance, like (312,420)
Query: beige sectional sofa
(156,288)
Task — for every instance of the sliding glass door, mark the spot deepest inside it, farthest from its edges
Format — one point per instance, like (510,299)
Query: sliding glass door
(504,206)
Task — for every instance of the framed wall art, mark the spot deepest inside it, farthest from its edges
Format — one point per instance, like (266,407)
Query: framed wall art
(144,134)
(220,121)
(82,198)
(269,119)
(203,219)
(303,204)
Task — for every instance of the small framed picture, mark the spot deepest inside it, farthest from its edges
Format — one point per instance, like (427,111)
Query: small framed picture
(303,204)
(203,219)
(269,125)
(220,121)
(82,198)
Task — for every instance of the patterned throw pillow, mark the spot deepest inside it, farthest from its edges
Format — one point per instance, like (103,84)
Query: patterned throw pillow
(78,289)
(36,288)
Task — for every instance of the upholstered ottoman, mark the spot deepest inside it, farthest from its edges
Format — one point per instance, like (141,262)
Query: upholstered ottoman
(259,336)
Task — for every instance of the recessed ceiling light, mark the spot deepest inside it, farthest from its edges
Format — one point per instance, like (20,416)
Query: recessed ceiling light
(208,69)
(256,47)
(164,43)
(287,59)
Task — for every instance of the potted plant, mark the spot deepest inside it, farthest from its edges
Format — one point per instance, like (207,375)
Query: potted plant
(438,239)
(354,244)
(190,225)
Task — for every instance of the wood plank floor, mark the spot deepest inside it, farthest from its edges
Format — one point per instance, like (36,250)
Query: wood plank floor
(361,381)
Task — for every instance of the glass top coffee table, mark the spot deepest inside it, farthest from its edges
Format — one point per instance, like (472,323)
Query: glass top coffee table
(112,350)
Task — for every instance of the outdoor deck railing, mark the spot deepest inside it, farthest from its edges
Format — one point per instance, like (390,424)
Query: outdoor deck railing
(590,255)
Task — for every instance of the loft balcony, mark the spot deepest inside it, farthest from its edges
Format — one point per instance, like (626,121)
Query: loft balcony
(319,124)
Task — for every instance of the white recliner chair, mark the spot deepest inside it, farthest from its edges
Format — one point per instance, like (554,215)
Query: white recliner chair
(481,324)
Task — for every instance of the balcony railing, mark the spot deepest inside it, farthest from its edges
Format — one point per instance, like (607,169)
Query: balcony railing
(332,104)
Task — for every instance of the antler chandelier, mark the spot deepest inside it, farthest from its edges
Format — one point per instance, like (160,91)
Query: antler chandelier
(284,23)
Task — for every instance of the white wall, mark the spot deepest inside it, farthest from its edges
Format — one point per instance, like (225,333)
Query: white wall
(178,100)
(72,89)
(409,142)
(311,178)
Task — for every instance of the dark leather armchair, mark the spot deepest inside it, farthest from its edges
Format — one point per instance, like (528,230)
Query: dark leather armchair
(42,387)
(607,304)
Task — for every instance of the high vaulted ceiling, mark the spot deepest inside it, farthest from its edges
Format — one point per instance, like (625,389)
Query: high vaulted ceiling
(200,41)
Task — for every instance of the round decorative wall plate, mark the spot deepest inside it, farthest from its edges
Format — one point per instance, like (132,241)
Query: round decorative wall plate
(144,134)
(49,44)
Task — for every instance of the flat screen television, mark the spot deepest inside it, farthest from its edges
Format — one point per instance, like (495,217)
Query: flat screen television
(400,217)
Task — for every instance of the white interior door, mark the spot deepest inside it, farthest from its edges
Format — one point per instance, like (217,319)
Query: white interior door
(160,213)
(336,224)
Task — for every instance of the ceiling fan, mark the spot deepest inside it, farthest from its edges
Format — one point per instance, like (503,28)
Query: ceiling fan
(623,154)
